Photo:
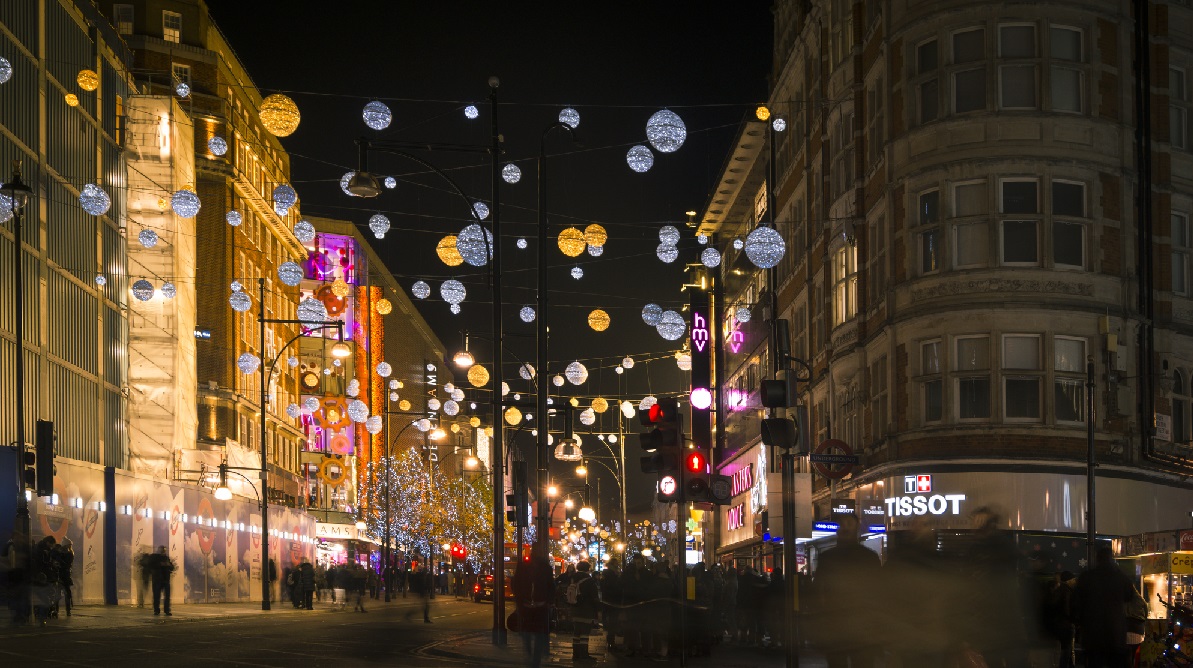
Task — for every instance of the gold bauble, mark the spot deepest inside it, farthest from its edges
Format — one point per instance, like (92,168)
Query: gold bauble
(384,306)
(762,113)
(595,235)
(474,421)
(279,115)
(88,80)
(478,375)
(571,242)
(455,428)
(339,288)
(599,405)
(574,402)
(513,416)
(72,100)
(489,432)
(404,405)
(598,320)
(448,253)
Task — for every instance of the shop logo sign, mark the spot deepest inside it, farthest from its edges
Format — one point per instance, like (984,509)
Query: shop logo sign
(917,484)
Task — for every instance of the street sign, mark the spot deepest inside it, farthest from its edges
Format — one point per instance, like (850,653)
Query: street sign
(833,459)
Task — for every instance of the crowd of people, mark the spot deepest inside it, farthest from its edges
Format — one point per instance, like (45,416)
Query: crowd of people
(49,583)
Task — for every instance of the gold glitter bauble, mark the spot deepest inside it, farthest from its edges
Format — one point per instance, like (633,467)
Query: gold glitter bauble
(384,306)
(279,115)
(448,253)
(595,235)
(478,375)
(598,320)
(571,242)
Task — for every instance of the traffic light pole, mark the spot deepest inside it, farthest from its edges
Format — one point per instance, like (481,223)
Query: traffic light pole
(681,537)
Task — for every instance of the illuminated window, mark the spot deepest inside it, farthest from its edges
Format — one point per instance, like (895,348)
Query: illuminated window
(844,284)
(171,26)
(122,16)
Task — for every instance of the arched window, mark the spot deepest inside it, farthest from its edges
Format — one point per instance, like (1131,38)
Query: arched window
(1180,409)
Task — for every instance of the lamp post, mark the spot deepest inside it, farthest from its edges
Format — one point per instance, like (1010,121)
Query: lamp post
(338,350)
(18,195)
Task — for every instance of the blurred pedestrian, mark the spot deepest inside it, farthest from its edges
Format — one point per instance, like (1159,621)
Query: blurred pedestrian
(915,571)
(583,599)
(533,593)
(995,595)
(611,601)
(64,555)
(306,576)
(1100,605)
(161,572)
(843,589)
(360,581)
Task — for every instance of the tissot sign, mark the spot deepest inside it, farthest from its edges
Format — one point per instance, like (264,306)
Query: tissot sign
(920,499)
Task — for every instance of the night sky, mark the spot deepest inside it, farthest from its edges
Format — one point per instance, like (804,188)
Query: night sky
(616,63)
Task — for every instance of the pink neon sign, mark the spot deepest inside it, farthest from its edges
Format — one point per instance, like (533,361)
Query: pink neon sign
(699,331)
(736,338)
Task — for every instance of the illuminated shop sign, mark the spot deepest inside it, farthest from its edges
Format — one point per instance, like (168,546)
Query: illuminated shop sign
(699,332)
(736,516)
(919,500)
(743,479)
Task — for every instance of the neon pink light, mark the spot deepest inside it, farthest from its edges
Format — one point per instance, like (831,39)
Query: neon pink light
(699,331)
(701,398)
(736,339)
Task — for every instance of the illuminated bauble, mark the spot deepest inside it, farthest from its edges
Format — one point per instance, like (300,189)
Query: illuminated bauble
(447,251)
(395,384)
(284,197)
(393,396)
(217,145)
(454,308)
(738,244)
(143,290)
(569,117)
(511,173)
(474,421)
(358,410)
(236,286)
(596,251)
(478,375)
(639,158)
(762,113)
(234,218)
(595,235)
(384,369)
(481,210)
(384,306)
(765,247)
(391,182)
(521,243)
(450,407)
(526,371)
(557,380)
(598,320)
(452,291)
(667,253)
(702,239)
(248,362)
(669,235)
(650,315)
(304,231)
(240,302)
(647,402)
(526,313)
(457,395)
(374,424)
(628,362)
(665,131)
(94,200)
(710,257)
(618,370)
(671,326)
(183,89)
(185,203)
(420,289)
(379,224)
(88,80)
(574,402)
(294,411)
(684,361)
(471,112)
(600,405)
(5,70)
(742,314)
(475,245)
(376,115)
(72,100)
(292,362)
(571,242)
(505,388)
(513,416)
(577,273)
(404,405)
(576,373)
(433,404)
(279,115)
(148,238)
(353,388)
(168,290)
(779,124)
(312,309)
(101,280)
(627,409)
(455,425)
(290,273)
(423,425)
(310,404)
(587,417)
(344,181)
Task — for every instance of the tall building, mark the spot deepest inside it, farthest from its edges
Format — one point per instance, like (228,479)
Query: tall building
(956,186)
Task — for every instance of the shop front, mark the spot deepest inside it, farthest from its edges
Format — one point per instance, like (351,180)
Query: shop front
(750,526)
(337,544)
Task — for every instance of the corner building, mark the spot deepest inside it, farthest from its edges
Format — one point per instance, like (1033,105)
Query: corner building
(976,200)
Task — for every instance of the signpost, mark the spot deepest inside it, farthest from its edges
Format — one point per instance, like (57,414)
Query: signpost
(833,459)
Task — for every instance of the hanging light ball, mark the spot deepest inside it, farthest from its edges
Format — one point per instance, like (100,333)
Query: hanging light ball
(248,362)
(148,238)
(627,409)
(765,247)
(762,112)
(505,388)
(433,404)
(474,421)
(374,424)
(393,396)
(88,80)
(513,416)
(395,384)
(345,180)
(448,252)
(358,410)
(576,373)
(738,244)
(72,100)
(234,219)
(292,362)
(457,395)
(284,197)
(471,112)
(571,242)
(683,360)
(665,131)
(454,308)
(569,117)
(475,245)
(557,380)
(600,405)
(450,407)
(353,388)
(312,309)
(478,375)
(596,251)
(639,158)
(779,124)
(595,235)
(667,253)
(279,115)
(310,404)
(379,224)
(236,286)
(628,362)
(423,425)
(710,257)
(5,70)
(521,243)
(742,314)
(101,280)
(650,315)
(384,369)
(404,405)
(511,173)
(143,290)
(526,371)
(420,289)
(526,314)
(671,326)
(304,231)
(391,182)
(702,239)
(577,273)
(481,210)
(183,89)
(574,402)
(340,288)
(384,306)
(217,145)
(294,411)
(669,235)
(185,203)
(168,290)
(290,273)
(647,402)
(452,291)
(240,302)
(93,199)
(377,115)
(599,320)
(587,417)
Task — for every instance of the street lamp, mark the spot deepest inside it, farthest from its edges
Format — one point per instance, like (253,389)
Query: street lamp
(464,359)
(587,514)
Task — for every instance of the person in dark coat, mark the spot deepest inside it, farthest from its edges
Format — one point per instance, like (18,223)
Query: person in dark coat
(306,576)
(534,590)
(845,582)
(64,555)
(995,600)
(611,599)
(1100,607)
(161,569)
(584,599)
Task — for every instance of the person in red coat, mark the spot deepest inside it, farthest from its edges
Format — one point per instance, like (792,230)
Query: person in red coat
(534,589)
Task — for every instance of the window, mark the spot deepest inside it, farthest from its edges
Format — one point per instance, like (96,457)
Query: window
(1068,199)
(182,73)
(973,380)
(1065,85)
(841,148)
(927,60)
(1021,394)
(875,133)
(844,284)
(1180,253)
(1068,244)
(1017,81)
(1068,364)
(930,251)
(929,101)
(933,385)
(171,26)
(1020,196)
(969,90)
(122,16)
(971,245)
(1177,108)
(1020,243)
(969,46)
(929,207)
(969,199)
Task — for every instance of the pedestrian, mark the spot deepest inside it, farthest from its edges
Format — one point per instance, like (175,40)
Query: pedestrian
(360,580)
(583,599)
(843,589)
(915,571)
(320,582)
(1056,614)
(290,577)
(374,583)
(332,581)
(272,571)
(994,595)
(1100,605)
(611,601)
(387,580)
(728,599)
(533,593)
(64,555)
(306,576)
(161,571)
(144,568)
(45,580)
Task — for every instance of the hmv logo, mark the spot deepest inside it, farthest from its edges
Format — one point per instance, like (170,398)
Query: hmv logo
(917,484)
(699,331)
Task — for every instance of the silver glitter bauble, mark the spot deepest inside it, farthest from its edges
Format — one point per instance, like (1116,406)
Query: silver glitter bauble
(596,251)
(236,286)
(168,290)
(292,362)
(94,200)
(618,370)
(665,131)
(433,404)
(374,424)
(391,182)
(576,373)
(587,417)
(284,197)
(669,235)
(310,404)
(395,384)
(148,238)
(248,362)
(234,218)
(570,117)
(344,183)
(304,231)
(379,224)
(450,407)
(457,394)
(667,253)
(742,314)
(511,173)
(393,396)
(702,239)
(455,309)
(577,273)
(526,314)
(481,210)
(738,244)
(143,290)
(628,362)
(420,289)
(474,245)
(765,247)
(358,410)
(101,280)
(650,315)
(183,89)
(240,302)
(779,124)
(452,291)
(423,425)
(710,257)
(671,326)
(377,115)
(353,388)
(639,158)
(311,309)
(521,243)
(647,402)
(526,371)
(217,145)
(684,361)
(5,70)
(558,380)
(471,112)
(384,369)
(290,273)
(294,411)
(185,203)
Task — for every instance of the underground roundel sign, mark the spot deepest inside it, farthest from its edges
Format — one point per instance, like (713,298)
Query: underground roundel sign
(833,459)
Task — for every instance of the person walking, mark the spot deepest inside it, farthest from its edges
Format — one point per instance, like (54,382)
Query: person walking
(1100,605)
(306,576)
(144,568)
(611,601)
(583,599)
(161,570)
(360,581)
(534,590)
(64,555)
(844,585)
(426,585)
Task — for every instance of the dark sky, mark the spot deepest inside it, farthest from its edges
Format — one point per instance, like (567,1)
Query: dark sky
(617,63)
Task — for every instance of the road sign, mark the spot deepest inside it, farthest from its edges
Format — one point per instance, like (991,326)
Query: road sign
(833,459)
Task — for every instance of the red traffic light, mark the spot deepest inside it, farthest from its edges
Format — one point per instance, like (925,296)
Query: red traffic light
(656,412)
(694,461)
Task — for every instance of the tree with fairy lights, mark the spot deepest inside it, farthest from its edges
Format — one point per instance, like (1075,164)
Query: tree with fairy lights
(405,497)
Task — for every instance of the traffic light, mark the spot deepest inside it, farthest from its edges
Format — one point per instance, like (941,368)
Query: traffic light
(700,484)
(788,433)
(665,442)
(44,445)
(519,515)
